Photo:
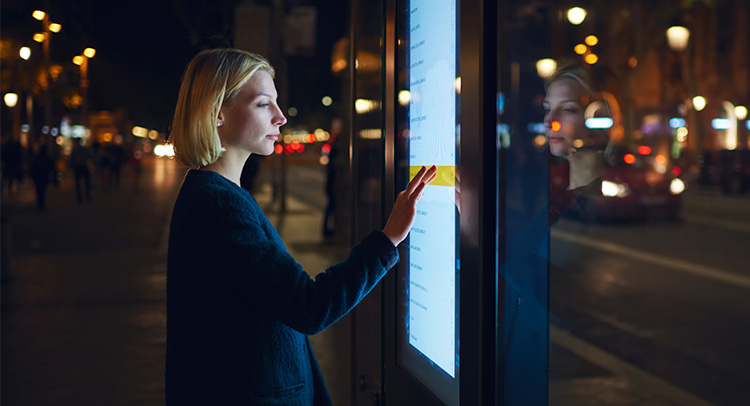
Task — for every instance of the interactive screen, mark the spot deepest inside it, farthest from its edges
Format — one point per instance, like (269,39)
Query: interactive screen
(432,141)
(429,74)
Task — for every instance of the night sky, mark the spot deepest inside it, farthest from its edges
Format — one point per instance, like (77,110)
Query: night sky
(142,47)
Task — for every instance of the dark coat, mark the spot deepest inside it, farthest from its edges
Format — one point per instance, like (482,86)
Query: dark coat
(239,308)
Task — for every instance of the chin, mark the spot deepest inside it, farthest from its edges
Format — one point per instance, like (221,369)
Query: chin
(559,150)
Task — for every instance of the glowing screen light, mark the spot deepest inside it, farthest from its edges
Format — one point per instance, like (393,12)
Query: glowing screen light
(677,122)
(720,123)
(599,122)
(431,304)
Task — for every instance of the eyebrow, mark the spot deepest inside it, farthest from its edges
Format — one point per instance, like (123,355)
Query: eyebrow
(564,101)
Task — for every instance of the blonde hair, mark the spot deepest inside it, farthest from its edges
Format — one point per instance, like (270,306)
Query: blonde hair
(573,71)
(213,77)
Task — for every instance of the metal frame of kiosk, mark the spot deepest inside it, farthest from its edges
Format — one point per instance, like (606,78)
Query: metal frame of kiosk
(407,379)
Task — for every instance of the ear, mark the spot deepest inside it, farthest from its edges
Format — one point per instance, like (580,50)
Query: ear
(220,118)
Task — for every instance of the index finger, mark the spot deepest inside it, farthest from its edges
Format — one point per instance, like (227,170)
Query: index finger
(420,177)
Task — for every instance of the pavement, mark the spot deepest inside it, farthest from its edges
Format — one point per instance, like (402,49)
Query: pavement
(83,301)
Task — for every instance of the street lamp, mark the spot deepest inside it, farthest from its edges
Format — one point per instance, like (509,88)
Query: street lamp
(678,37)
(11,100)
(545,67)
(83,62)
(45,39)
(576,15)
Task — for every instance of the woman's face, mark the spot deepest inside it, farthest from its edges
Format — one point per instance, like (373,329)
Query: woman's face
(564,122)
(251,121)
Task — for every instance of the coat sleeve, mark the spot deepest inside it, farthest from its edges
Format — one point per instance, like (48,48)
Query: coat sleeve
(255,264)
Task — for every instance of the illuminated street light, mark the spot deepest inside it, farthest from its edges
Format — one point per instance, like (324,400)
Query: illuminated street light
(327,101)
(83,62)
(45,38)
(678,37)
(699,103)
(591,40)
(576,15)
(591,59)
(404,97)
(10,99)
(740,112)
(24,53)
(580,49)
(545,67)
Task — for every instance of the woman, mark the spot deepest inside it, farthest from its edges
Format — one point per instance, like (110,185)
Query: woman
(569,94)
(239,307)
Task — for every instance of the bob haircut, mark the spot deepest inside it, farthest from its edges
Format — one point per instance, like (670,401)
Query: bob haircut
(213,77)
(572,70)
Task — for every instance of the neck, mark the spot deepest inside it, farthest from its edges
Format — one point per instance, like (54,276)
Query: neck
(229,165)
(585,166)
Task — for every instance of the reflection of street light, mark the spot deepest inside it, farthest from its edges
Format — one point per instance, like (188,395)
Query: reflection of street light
(545,67)
(45,40)
(576,15)
(740,112)
(11,99)
(678,37)
(83,62)
(699,103)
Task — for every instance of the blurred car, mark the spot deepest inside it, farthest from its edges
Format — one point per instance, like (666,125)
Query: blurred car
(733,167)
(635,186)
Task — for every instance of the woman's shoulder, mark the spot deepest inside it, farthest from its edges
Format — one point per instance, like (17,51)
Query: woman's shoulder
(214,192)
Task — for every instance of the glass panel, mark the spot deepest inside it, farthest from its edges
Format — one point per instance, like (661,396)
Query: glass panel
(429,83)
(644,134)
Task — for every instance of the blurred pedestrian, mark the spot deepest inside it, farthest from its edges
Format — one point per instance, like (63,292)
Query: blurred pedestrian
(12,161)
(102,163)
(116,160)
(80,160)
(136,164)
(239,307)
(42,171)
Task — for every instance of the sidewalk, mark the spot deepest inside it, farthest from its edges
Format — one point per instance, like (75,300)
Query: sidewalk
(83,293)
(83,303)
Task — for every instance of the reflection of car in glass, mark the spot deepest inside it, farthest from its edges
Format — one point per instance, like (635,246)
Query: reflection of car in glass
(636,186)
(733,167)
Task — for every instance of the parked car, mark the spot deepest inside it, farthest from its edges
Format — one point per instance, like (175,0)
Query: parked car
(634,187)
(733,167)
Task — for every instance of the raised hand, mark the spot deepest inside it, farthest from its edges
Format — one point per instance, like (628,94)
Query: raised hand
(405,208)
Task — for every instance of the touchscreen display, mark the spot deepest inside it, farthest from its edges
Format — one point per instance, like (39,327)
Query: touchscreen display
(433,86)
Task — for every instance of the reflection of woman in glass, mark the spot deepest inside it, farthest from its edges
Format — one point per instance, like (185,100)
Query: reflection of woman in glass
(569,94)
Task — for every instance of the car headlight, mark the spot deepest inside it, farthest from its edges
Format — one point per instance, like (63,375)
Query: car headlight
(677,186)
(613,189)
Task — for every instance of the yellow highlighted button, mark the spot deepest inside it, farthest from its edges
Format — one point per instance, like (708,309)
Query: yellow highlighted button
(446,175)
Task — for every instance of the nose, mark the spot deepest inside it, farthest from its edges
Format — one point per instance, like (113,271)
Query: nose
(548,119)
(279,119)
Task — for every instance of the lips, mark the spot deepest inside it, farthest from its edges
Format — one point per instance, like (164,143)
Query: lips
(273,137)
